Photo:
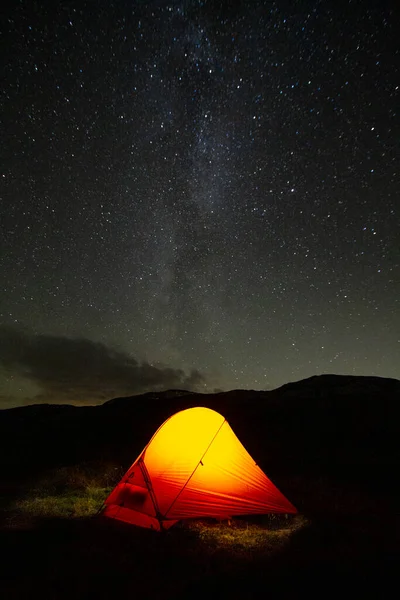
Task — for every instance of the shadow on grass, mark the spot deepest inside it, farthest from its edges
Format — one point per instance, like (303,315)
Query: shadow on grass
(99,558)
(56,548)
(324,557)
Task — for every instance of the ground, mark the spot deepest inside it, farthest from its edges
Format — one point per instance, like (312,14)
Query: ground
(58,546)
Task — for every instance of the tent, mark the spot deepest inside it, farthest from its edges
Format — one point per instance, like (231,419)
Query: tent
(193,466)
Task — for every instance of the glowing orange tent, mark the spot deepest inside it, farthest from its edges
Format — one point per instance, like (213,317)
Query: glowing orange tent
(193,466)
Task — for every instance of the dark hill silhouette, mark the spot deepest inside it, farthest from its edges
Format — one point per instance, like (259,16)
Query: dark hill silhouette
(343,426)
(323,385)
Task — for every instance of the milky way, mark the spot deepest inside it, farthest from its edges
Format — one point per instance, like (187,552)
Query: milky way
(207,192)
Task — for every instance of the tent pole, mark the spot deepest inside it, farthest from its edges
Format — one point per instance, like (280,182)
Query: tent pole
(147,479)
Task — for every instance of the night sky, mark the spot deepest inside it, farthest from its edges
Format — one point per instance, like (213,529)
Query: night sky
(197,195)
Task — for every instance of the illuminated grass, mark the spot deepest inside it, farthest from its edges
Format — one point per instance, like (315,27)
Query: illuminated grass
(242,537)
(79,492)
(68,492)
(67,505)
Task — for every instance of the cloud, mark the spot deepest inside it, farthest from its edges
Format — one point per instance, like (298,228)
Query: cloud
(83,371)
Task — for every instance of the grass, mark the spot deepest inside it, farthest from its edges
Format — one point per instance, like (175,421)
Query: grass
(65,493)
(56,546)
(70,504)
(79,492)
(242,537)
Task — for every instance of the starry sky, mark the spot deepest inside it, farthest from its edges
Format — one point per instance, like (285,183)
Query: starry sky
(197,195)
